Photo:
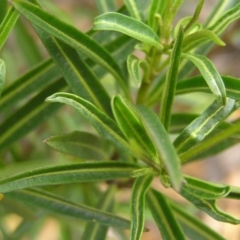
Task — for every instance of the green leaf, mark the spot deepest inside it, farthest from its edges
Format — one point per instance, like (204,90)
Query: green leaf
(156,10)
(200,37)
(209,206)
(104,6)
(97,231)
(2,75)
(79,144)
(53,203)
(68,173)
(210,74)
(203,125)
(78,75)
(198,84)
(134,8)
(209,142)
(171,81)
(134,69)
(224,21)
(129,26)
(204,189)
(71,36)
(133,128)
(163,216)
(106,127)
(25,119)
(7,25)
(191,226)
(139,190)
(34,80)
(160,138)
(3,9)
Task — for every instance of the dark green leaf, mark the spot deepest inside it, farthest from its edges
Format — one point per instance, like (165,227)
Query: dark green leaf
(197,84)
(7,25)
(34,80)
(134,8)
(163,216)
(68,173)
(78,75)
(203,125)
(209,206)
(171,81)
(191,226)
(133,128)
(139,190)
(2,75)
(129,26)
(71,36)
(106,127)
(25,119)
(160,138)
(79,144)
(48,201)
(96,231)
(3,9)
(210,74)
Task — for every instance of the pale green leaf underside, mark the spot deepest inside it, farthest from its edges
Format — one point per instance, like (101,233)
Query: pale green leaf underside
(210,74)
(68,173)
(79,144)
(129,26)
(139,190)
(160,138)
(2,75)
(106,127)
(56,204)
(203,125)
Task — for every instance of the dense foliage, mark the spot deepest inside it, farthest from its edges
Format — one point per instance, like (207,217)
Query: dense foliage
(120,81)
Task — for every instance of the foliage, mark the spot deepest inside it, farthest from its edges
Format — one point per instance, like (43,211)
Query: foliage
(120,81)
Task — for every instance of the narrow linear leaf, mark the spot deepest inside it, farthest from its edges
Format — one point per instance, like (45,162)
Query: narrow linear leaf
(209,206)
(2,75)
(203,125)
(8,24)
(223,21)
(134,8)
(3,9)
(209,143)
(97,231)
(234,193)
(133,128)
(134,69)
(71,36)
(106,127)
(204,189)
(160,138)
(198,84)
(156,10)
(79,144)
(171,81)
(32,81)
(68,173)
(104,6)
(210,74)
(200,37)
(78,75)
(191,226)
(163,216)
(129,26)
(29,116)
(139,190)
(51,202)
